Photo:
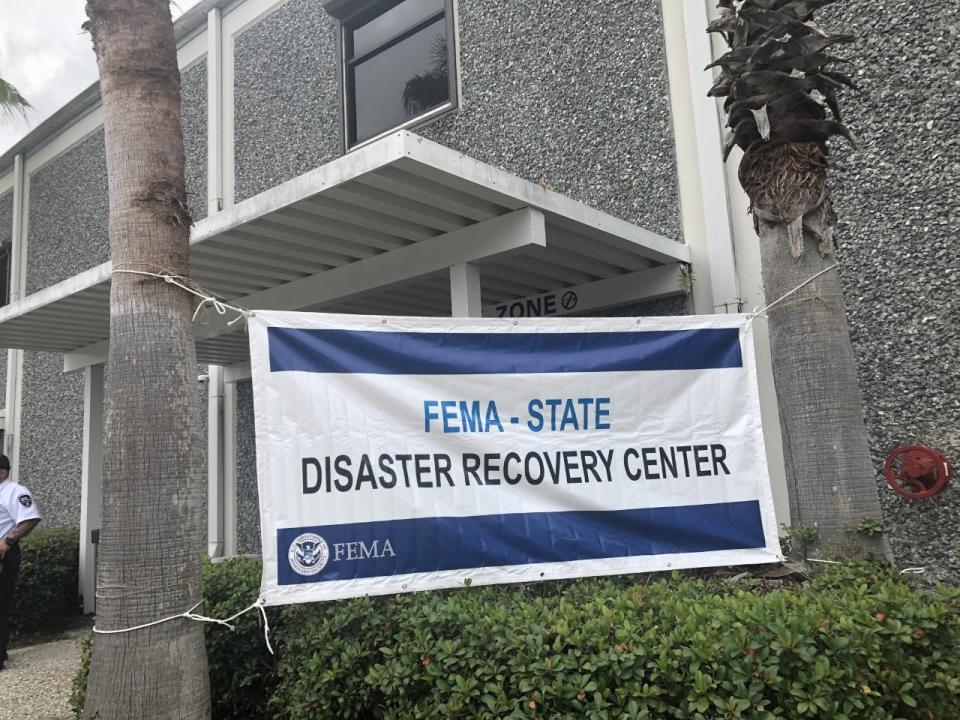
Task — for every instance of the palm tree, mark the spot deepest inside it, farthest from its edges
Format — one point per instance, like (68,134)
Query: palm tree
(780,82)
(152,537)
(11,101)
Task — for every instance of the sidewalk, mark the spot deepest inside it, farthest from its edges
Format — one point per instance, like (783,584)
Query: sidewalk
(37,679)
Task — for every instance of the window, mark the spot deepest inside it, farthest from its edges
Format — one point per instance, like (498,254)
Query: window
(398,66)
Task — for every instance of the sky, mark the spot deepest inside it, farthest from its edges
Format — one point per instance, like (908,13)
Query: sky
(47,57)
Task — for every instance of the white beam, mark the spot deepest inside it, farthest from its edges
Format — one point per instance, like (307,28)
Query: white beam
(658,282)
(91,481)
(465,297)
(236,373)
(85,356)
(493,238)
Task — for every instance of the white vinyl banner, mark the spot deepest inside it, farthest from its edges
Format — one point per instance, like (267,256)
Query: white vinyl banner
(400,454)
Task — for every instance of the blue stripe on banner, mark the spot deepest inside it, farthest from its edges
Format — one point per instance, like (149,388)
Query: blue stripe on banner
(359,550)
(458,353)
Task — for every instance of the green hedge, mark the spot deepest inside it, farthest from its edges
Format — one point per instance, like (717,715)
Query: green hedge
(859,641)
(47,593)
(242,672)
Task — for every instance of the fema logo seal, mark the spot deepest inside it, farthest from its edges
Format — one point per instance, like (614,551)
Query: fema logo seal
(26,500)
(308,554)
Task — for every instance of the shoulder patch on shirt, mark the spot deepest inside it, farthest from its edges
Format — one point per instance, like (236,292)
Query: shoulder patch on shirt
(25,500)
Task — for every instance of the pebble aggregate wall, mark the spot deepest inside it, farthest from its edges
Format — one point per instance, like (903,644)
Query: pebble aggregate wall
(248,508)
(69,200)
(676,305)
(569,95)
(68,214)
(51,436)
(67,234)
(193,114)
(572,95)
(51,448)
(286,97)
(6,237)
(898,199)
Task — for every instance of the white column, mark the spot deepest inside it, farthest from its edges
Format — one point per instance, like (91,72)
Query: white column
(229,469)
(12,394)
(705,212)
(465,298)
(91,481)
(215,499)
(214,112)
(215,389)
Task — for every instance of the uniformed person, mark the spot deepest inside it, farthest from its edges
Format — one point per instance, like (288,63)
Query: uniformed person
(18,516)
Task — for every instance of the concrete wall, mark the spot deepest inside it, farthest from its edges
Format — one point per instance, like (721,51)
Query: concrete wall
(573,95)
(248,508)
(678,305)
(69,201)
(898,199)
(193,94)
(67,234)
(51,433)
(567,94)
(286,97)
(68,215)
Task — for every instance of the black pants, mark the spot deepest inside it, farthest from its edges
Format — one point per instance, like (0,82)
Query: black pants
(9,568)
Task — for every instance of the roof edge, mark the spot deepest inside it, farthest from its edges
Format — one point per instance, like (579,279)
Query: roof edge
(88,99)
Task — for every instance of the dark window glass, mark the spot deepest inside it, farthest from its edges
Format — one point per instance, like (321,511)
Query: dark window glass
(384,27)
(4,273)
(398,67)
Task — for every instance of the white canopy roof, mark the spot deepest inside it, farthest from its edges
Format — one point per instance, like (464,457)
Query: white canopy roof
(374,231)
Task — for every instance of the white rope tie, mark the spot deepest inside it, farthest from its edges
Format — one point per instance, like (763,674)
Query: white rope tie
(206,297)
(759,312)
(259,604)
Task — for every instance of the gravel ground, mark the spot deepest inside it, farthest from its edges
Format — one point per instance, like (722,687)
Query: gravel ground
(35,683)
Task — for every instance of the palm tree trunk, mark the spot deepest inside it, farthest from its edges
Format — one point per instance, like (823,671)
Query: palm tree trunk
(152,538)
(830,474)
